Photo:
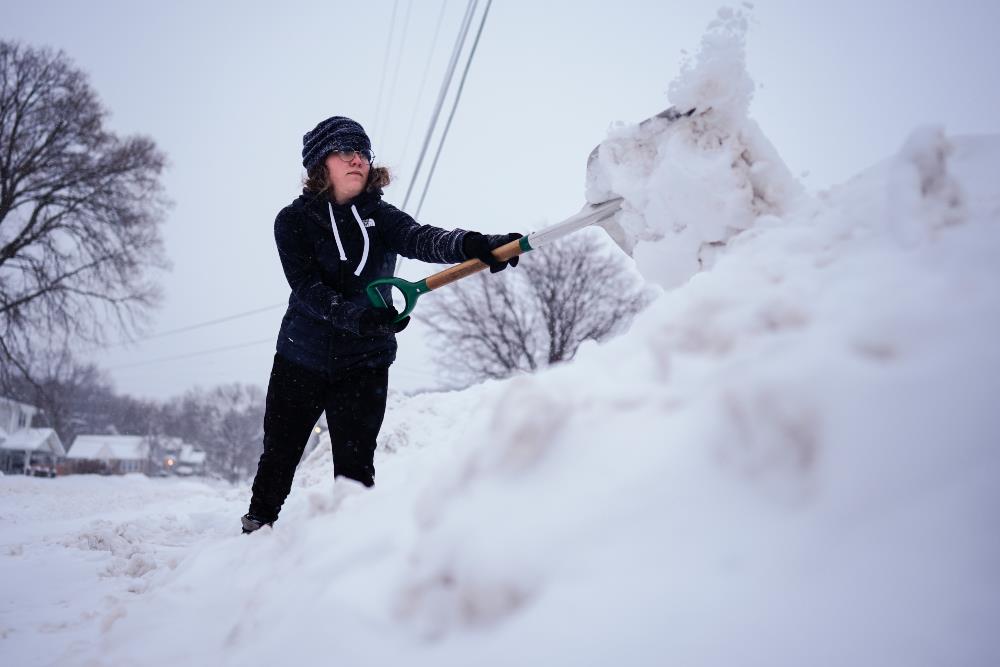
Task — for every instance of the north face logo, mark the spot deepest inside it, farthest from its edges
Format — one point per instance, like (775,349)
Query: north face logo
(369,223)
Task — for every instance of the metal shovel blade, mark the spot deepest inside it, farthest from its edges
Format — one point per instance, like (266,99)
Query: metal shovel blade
(602,214)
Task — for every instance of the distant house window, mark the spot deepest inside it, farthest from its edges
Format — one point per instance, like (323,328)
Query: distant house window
(22,420)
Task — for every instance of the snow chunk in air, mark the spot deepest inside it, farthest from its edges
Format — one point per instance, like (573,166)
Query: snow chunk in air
(692,184)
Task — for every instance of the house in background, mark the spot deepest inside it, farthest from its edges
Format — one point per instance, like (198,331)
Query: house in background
(31,451)
(191,461)
(159,455)
(164,452)
(40,452)
(176,457)
(109,454)
(25,450)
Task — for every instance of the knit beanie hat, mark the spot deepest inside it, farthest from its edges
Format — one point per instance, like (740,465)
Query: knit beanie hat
(336,133)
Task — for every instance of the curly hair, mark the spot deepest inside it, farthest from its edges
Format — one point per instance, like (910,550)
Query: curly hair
(318,179)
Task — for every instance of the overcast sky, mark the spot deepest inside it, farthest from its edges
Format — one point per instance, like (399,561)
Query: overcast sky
(227,89)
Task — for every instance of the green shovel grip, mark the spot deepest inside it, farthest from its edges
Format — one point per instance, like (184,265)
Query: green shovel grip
(411,292)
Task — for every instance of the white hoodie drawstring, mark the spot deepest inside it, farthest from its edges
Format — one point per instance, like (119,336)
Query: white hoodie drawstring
(340,246)
(336,234)
(364,233)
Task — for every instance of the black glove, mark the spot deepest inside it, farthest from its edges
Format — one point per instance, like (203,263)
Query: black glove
(476,245)
(379,322)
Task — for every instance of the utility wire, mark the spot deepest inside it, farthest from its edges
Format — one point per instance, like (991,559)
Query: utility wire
(423,81)
(194,354)
(454,107)
(449,74)
(385,63)
(189,327)
(395,73)
(204,324)
(463,31)
(396,367)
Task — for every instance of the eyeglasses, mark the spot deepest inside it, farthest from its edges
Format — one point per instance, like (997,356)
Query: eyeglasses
(348,156)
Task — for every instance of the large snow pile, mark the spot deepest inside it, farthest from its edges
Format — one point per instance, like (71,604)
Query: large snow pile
(791,458)
(692,184)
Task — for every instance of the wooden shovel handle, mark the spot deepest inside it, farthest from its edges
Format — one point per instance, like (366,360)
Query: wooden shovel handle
(412,291)
(471,266)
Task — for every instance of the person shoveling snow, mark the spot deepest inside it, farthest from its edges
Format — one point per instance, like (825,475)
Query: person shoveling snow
(334,349)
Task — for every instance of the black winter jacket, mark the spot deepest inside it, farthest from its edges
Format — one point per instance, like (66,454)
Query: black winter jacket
(328,263)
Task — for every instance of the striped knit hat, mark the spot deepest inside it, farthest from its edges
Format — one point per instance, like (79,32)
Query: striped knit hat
(333,134)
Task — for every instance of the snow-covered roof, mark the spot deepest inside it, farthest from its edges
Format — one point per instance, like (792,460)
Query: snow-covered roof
(192,456)
(109,447)
(35,440)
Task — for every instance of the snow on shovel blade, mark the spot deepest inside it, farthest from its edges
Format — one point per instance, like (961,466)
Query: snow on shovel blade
(670,115)
(602,213)
(611,224)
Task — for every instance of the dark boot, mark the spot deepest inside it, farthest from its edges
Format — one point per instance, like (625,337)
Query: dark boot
(252,523)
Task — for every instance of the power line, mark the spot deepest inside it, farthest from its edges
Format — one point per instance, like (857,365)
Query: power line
(423,81)
(399,60)
(454,107)
(396,366)
(463,31)
(385,63)
(449,74)
(193,354)
(190,327)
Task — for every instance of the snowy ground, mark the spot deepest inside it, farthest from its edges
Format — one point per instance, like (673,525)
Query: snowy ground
(790,459)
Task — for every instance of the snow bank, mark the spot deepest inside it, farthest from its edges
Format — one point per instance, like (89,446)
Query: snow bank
(791,458)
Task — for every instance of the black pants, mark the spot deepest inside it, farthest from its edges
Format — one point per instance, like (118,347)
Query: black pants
(296,396)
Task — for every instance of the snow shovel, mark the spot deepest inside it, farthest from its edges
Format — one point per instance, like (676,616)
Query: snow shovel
(601,214)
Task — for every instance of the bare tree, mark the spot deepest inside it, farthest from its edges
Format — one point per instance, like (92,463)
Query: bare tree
(67,393)
(235,430)
(80,210)
(78,398)
(490,326)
